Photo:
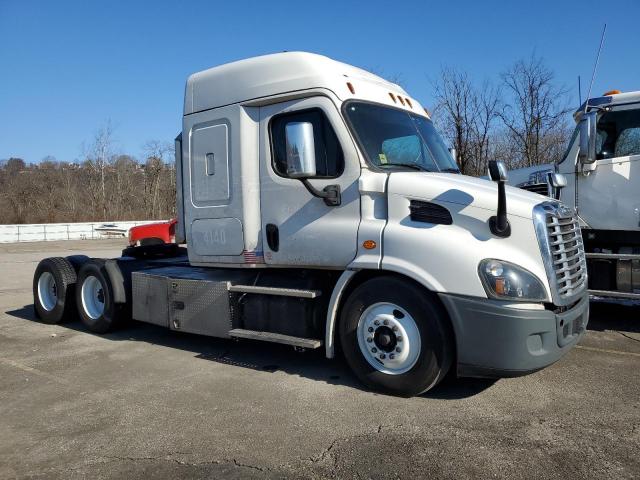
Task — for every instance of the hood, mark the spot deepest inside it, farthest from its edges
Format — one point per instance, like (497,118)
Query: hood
(462,190)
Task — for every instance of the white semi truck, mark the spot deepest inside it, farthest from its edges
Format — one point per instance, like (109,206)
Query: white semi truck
(602,171)
(321,208)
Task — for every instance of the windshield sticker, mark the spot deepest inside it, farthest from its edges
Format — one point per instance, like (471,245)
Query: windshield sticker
(382,157)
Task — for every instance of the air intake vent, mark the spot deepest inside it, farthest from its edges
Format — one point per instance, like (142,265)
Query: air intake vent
(429,213)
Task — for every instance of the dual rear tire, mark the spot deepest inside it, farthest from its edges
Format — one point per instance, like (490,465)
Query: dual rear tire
(76,287)
(54,284)
(95,298)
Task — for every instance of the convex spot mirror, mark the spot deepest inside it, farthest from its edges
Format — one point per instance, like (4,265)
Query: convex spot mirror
(301,150)
(497,171)
(587,130)
(557,180)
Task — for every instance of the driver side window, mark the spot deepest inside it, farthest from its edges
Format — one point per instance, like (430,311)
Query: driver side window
(618,134)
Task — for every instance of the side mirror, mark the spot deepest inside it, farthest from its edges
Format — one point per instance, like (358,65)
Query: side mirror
(587,129)
(301,161)
(301,150)
(454,154)
(499,224)
(497,171)
(557,181)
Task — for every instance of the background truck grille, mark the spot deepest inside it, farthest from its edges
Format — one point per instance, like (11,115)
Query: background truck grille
(539,188)
(561,241)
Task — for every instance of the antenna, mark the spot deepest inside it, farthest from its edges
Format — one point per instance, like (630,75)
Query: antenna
(579,92)
(595,67)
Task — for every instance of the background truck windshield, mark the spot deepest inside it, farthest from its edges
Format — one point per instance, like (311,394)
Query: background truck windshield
(392,137)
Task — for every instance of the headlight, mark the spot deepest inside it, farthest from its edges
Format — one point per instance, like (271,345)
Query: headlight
(506,281)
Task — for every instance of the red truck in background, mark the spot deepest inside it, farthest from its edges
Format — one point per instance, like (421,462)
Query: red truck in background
(153,233)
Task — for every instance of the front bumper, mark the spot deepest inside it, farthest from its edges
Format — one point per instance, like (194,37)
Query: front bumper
(493,340)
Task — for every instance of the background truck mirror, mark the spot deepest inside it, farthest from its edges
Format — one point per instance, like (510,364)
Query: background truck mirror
(587,128)
(301,150)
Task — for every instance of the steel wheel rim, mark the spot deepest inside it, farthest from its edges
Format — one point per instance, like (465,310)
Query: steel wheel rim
(47,291)
(389,338)
(92,297)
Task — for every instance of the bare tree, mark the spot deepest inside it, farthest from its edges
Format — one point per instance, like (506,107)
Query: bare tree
(99,156)
(158,154)
(536,112)
(466,115)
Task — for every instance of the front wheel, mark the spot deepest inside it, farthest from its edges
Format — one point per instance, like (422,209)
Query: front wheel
(395,336)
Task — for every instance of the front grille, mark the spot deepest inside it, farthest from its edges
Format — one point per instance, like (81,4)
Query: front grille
(567,254)
(560,239)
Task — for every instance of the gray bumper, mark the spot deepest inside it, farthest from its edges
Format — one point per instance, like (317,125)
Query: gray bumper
(496,341)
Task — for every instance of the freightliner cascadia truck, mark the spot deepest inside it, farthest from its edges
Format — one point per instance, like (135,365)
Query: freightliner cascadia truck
(602,177)
(320,208)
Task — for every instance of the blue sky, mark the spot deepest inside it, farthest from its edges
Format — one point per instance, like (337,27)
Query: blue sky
(68,66)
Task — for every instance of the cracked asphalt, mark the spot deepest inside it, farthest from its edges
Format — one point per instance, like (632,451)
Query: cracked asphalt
(147,402)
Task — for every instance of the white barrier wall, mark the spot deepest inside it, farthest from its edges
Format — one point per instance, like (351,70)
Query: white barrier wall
(66,231)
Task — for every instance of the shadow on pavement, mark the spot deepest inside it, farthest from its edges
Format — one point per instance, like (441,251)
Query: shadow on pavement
(611,315)
(261,356)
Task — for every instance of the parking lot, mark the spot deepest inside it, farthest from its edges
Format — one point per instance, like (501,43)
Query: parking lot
(144,401)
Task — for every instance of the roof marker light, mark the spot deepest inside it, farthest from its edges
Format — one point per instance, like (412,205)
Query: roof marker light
(393,97)
(409,103)
(611,92)
(351,89)
(401,100)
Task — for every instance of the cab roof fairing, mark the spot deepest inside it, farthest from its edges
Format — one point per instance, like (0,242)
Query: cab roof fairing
(285,72)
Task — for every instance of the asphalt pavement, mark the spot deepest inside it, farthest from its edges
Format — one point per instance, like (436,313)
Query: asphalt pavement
(147,402)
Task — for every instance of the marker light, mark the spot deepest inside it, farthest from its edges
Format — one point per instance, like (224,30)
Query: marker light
(611,92)
(369,244)
(409,103)
(393,97)
(351,89)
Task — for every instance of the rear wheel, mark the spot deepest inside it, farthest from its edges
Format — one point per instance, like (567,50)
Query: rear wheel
(396,336)
(95,299)
(53,290)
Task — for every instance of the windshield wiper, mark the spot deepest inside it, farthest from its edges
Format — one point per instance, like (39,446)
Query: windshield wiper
(414,166)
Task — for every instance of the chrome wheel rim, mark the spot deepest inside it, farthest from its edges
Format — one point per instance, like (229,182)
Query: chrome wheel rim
(389,338)
(92,297)
(47,291)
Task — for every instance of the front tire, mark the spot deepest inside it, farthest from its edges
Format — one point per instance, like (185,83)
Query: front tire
(95,299)
(396,336)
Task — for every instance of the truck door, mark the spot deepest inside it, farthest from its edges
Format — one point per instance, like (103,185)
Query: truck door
(608,197)
(298,228)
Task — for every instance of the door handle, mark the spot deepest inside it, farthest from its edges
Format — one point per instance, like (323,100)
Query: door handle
(273,237)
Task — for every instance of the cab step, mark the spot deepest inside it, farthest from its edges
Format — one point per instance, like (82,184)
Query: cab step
(276,338)
(283,292)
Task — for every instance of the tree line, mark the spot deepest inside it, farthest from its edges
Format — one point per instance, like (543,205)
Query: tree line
(521,118)
(103,186)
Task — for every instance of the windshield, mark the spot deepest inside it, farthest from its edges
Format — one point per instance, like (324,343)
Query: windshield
(390,137)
